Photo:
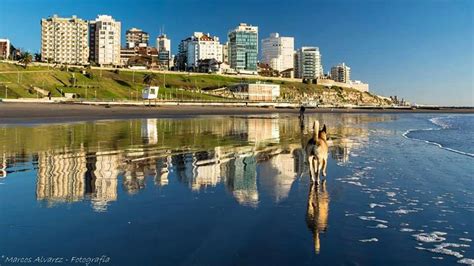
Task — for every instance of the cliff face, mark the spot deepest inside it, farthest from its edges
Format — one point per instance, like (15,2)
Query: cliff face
(335,96)
(349,96)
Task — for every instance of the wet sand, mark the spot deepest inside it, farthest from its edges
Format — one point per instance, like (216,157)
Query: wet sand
(23,113)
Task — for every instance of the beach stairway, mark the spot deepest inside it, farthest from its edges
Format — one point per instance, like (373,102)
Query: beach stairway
(41,92)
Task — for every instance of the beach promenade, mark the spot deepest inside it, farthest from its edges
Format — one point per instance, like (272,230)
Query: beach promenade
(50,112)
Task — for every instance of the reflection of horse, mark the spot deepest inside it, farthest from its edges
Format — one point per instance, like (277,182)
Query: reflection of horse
(317,212)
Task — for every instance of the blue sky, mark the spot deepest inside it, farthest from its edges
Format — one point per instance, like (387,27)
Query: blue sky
(421,50)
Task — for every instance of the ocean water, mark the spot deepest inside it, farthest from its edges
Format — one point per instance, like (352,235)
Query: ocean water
(451,132)
(235,191)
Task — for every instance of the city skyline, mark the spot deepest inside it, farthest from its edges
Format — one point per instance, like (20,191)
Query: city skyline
(401,58)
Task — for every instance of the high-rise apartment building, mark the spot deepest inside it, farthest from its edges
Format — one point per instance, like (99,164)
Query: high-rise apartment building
(225,53)
(163,46)
(181,58)
(136,38)
(243,48)
(341,73)
(104,41)
(308,63)
(163,43)
(203,46)
(277,52)
(198,47)
(4,48)
(64,40)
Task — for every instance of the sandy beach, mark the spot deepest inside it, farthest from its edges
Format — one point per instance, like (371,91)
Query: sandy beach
(18,113)
(239,185)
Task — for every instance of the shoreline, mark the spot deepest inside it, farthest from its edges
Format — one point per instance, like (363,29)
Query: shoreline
(38,113)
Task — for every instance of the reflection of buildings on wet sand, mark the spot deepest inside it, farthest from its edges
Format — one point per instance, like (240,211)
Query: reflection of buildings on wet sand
(346,140)
(277,175)
(199,169)
(66,176)
(61,176)
(317,212)
(241,180)
(135,174)
(102,174)
(69,176)
(162,169)
(263,130)
(207,173)
(299,159)
(237,168)
(149,131)
(184,167)
(3,166)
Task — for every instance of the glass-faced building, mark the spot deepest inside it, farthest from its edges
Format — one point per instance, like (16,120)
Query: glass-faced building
(243,48)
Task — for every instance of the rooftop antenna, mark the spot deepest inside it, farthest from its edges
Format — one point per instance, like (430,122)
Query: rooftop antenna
(162,30)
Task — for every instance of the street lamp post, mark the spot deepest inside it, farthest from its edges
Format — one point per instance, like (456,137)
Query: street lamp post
(164,80)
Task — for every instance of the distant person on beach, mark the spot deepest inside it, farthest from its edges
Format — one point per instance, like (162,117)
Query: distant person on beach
(302,109)
(49,95)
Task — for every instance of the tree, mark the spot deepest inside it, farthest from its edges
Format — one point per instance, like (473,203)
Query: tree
(37,57)
(73,81)
(26,59)
(140,60)
(89,75)
(149,78)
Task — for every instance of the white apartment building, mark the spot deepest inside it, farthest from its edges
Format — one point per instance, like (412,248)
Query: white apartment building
(105,41)
(341,73)
(163,47)
(64,40)
(203,46)
(256,91)
(136,38)
(278,51)
(163,43)
(308,63)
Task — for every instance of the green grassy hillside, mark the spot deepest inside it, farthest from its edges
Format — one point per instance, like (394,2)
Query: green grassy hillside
(125,84)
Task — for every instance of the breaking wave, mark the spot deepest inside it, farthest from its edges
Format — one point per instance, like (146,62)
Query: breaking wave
(452,133)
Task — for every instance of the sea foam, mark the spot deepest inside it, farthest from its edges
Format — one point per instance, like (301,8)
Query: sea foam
(430,237)
(369,240)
